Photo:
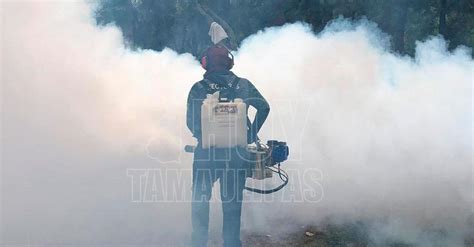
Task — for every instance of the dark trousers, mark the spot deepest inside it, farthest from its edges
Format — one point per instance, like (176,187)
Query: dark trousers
(229,166)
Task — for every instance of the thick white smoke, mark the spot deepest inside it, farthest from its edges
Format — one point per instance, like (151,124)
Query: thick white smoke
(390,136)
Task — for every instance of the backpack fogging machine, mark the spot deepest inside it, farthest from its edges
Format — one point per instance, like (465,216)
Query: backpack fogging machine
(224,125)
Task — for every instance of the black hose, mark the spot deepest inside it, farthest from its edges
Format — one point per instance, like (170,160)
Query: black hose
(283,176)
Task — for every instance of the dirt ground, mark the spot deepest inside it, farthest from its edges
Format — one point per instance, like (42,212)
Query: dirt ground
(352,235)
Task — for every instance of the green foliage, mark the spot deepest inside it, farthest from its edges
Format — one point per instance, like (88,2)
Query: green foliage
(182,26)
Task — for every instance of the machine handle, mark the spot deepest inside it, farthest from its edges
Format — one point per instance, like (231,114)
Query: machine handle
(189,148)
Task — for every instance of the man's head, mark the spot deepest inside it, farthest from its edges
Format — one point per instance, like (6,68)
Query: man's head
(217,58)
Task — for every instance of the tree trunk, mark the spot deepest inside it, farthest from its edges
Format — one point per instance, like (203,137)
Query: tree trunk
(399,21)
(442,17)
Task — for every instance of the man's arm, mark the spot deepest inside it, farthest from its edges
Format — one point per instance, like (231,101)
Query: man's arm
(263,109)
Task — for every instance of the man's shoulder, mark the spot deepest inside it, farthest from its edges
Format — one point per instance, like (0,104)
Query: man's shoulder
(244,83)
(199,85)
(242,80)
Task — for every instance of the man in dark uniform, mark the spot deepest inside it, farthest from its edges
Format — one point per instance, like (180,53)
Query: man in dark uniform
(228,164)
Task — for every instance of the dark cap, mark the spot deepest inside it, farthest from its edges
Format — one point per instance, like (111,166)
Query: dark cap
(218,58)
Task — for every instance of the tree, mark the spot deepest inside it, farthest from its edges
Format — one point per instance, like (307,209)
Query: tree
(183,24)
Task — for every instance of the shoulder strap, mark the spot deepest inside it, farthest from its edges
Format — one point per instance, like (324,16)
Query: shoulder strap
(234,83)
(204,84)
(233,87)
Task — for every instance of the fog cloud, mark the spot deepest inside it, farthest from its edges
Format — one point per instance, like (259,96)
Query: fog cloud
(390,135)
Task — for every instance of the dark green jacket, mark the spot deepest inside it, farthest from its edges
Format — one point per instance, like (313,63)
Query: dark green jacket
(230,87)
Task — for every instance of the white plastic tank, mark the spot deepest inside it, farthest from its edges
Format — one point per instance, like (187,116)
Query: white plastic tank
(223,124)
